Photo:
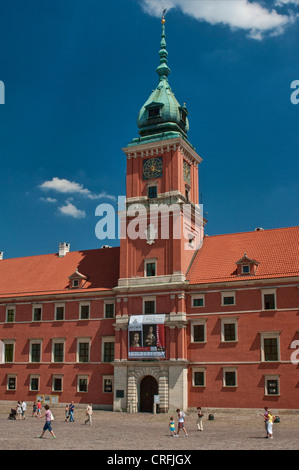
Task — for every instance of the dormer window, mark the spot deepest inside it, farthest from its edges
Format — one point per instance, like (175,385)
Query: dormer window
(246,266)
(77,280)
(154,110)
(183,114)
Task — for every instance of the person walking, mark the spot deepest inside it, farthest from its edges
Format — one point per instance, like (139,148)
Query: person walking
(67,413)
(181,424)
(19,410)
(89,414)
(24,408)
(71,411)
(34,409)
(270,421)
(47,426)
(265,416)
(39,408)
(172,427)
(199,419)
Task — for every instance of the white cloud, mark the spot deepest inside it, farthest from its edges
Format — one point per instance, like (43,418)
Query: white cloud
(252,17)
(71,187)
(48,199)
(71,210)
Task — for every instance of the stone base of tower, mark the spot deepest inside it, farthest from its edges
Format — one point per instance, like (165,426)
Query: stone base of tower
(139,385)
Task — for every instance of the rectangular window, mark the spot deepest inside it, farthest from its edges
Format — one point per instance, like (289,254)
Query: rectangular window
(83,352)
(150,269)
(149,307)
(229,329)
(198,301)
(35,352)
(199,333)
(57,384)
(11,382)
(82,384)
(271,385)
(58,352)
(152,192)
(8,352)
(37,313)
(270,348)
(34,383)
(269,301)
(84,312)
(229,378)
(245,269)
(109,310)
(199,379)
(59,312)
(229,332)
(10,315)
(108,351)
(107,384)
(228,300)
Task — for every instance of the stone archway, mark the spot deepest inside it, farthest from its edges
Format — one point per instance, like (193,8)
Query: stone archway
(148,388)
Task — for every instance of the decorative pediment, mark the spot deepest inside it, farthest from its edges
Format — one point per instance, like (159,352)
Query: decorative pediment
(246,266)
(77,280)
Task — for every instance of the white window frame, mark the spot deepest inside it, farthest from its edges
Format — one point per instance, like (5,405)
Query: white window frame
(150,261)
(59,305)
(107,377)
(11,376)
(35,341)
(34,376)
(228,294)
(34,306)
(272,377)
(230,369)
(109,302)
(6,342)
(228,321)
(57,341)
(80,341)
(245,266)
(198,323)
(10,307)
(202,370)
(57,376)
(198,297)
(84,304)
(266,292)
(107,339)
(270,335)
(84,377)
(148,299)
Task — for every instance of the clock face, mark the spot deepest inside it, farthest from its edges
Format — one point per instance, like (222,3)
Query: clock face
(187,172)
(152,168)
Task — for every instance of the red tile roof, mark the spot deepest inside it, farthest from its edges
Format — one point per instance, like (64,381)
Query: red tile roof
(50,273)
(276,250)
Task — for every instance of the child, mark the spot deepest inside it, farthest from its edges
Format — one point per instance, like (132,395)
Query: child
(270,422)
(67,413)
(199,419)
(47,425)
(172,427)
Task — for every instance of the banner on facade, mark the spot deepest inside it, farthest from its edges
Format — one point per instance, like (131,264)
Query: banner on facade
(146,336)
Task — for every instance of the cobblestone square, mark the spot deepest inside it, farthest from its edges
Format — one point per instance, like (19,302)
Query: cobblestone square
(111,431)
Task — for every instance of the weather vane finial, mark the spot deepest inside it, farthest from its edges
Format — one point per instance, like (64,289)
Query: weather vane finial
(163,14)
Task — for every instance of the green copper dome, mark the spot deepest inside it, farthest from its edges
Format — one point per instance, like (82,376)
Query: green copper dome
(162,113)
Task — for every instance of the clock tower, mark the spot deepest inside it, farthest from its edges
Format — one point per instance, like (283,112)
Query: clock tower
(163,220)
(161,229)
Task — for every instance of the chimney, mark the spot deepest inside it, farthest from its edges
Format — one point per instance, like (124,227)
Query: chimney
(1,254)
(64,248)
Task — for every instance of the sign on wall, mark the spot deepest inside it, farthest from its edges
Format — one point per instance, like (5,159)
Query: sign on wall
(146,336)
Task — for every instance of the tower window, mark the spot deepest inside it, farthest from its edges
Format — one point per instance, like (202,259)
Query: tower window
(152,192)
(154,112)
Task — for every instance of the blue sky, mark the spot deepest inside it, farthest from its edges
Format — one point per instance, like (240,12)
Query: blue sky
(76,73)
